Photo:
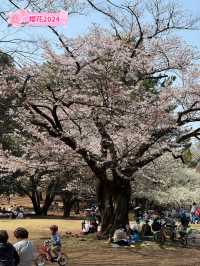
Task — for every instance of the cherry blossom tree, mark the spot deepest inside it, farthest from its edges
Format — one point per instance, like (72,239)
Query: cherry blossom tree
(120,98)
(167,181)
(42,168)
(81,188)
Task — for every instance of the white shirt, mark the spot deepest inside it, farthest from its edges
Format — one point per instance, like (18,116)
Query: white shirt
(86,228)
(26,252)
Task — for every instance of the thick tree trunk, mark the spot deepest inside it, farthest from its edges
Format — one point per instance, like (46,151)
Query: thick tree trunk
(47,203)
(76,207)
(50,195)
(121,206)
(113,202)
(67,210)
(104,200)
(67,198)
(36,203)
(35,198)
(40,196)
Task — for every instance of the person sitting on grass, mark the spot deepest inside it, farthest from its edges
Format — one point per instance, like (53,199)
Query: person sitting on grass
(24,247)
(56,242)
(93,226)
(156,225)
(8,254)
(120,237)
(89,227)
(146,230)
(86,227)
(134,236)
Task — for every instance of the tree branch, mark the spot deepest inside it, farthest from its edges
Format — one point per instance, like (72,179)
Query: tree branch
(194,133)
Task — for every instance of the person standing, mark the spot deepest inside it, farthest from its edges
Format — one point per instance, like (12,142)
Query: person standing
(192,212)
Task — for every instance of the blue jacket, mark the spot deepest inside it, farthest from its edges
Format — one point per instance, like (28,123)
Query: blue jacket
(56,240)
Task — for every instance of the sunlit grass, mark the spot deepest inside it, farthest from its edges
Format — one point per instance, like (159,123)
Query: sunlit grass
(90,251)
(39,228)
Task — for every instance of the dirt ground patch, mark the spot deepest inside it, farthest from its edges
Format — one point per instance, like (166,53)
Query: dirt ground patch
(99,253)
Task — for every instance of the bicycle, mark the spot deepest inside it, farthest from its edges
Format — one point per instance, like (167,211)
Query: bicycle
(184,236)
(184,239)
(170,230)
(45,255)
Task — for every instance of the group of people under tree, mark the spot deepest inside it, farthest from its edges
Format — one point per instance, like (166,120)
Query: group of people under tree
(148,224)
(157,226)
(12,212)
(92,221)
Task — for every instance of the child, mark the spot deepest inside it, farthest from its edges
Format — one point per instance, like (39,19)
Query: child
(56,241)
(8,254)
(24,247)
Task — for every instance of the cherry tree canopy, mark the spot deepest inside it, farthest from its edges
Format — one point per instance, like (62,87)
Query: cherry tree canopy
(120,97)
(167,181)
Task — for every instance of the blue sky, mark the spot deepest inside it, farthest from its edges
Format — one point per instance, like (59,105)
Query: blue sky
(192,37)
(79,25)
